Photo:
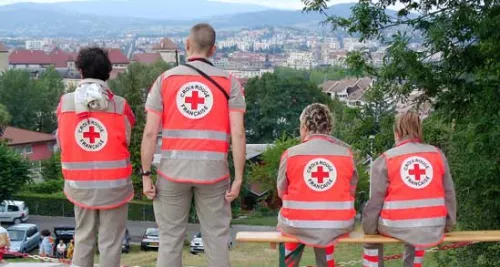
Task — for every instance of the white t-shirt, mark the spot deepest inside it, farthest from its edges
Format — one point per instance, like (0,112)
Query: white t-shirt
(61,248)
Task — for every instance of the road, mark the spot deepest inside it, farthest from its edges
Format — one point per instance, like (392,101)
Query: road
(136,228)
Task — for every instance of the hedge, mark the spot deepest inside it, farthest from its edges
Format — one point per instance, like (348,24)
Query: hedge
(58,205)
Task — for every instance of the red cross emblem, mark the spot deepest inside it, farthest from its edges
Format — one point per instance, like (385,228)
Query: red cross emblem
(319,174)
(195,100)
(417,172)
(91,135)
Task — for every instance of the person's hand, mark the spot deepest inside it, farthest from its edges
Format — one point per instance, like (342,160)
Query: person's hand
(234,192)
(148,188)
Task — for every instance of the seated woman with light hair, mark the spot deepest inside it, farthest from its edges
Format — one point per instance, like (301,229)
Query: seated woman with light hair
(317,182)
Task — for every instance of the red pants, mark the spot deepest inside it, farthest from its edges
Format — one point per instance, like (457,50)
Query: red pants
(373,256)
(324,256)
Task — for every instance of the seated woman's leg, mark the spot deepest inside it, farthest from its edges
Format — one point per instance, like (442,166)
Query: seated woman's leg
(324,256)
(292,261)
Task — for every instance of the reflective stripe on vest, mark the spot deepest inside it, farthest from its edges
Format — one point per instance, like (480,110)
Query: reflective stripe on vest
(438,221)
(318,205)
(95,165)
(196,134)
(329,257)
(411,204)
(323,224)
(193,155)
(103,184)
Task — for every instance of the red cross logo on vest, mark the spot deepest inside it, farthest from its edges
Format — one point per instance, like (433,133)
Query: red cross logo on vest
(91,135)
(416,172)
(194,100)
(320,174)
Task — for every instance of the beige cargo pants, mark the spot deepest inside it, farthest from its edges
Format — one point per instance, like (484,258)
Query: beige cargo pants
(172,204)
(107,225)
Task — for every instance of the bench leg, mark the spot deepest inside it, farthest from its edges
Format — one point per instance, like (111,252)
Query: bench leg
(295,254)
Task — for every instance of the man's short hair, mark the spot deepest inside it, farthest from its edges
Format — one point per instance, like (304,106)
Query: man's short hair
(202,37)
(94,63)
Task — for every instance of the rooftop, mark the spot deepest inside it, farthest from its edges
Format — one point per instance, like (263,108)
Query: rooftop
(165,44)
(17,136)
(3,48)
(147,58)
(116,56)
(22,56)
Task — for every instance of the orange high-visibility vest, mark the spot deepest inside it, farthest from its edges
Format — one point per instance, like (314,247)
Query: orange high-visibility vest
(319,192)
(195,121)
(415,196)
(94,150)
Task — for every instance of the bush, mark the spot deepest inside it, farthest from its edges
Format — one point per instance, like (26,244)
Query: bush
(51,168)
(49,187)
(58,205)
(14,172)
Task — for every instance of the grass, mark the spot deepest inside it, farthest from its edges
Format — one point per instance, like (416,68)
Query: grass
(261,255)
(258,255)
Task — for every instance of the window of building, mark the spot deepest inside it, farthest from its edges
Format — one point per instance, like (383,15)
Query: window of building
(28,149)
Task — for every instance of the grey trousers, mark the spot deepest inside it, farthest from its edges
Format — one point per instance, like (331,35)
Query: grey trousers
(410,257)
(172,204)
(109,226)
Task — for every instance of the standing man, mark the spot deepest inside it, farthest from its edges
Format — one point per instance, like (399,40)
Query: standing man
(317,183)
(412,197)
(200,109)
(94,134)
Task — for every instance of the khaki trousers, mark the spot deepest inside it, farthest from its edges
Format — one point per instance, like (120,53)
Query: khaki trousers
(172,204)
(374,256)
(107,225)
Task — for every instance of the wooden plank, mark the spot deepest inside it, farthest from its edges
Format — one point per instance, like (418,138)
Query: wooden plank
(360,238)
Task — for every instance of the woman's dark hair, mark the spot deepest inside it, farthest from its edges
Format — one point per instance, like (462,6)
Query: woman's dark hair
(45,232)
(94,63)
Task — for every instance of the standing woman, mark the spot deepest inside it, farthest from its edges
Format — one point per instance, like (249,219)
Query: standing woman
(317,183)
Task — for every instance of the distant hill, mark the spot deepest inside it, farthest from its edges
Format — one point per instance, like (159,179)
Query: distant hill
(150,9)
(59,20)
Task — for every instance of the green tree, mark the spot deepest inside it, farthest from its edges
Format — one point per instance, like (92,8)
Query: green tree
(134,85)
(14,173)
(18,94)
(458,68)
(265,174)
(4,118)
(275,104)
(51,168)
(49,88)
(31,102)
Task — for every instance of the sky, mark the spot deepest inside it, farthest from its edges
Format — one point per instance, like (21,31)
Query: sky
(285,4)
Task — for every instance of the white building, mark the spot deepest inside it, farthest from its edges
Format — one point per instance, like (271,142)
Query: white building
(300,60)
(350,91)
(250,73)
(34,44)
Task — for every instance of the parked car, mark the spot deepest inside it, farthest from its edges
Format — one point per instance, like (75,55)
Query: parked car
(150,239)
(64,233)
(126,242)
(196,246)
(14,212)
(24,237)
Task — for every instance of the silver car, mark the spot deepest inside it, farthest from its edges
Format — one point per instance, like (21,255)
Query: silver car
(196,246)
(150,239)
(24,237)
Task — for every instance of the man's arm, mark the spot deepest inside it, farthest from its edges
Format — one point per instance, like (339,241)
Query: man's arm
(154,106)
(450,197)
(237,107)
(354,179)
(378,192)
(282,183)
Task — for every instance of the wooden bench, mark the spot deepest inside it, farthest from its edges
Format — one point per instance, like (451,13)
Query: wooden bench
(275,238)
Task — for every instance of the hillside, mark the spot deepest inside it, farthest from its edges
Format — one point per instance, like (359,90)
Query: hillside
(56,20)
